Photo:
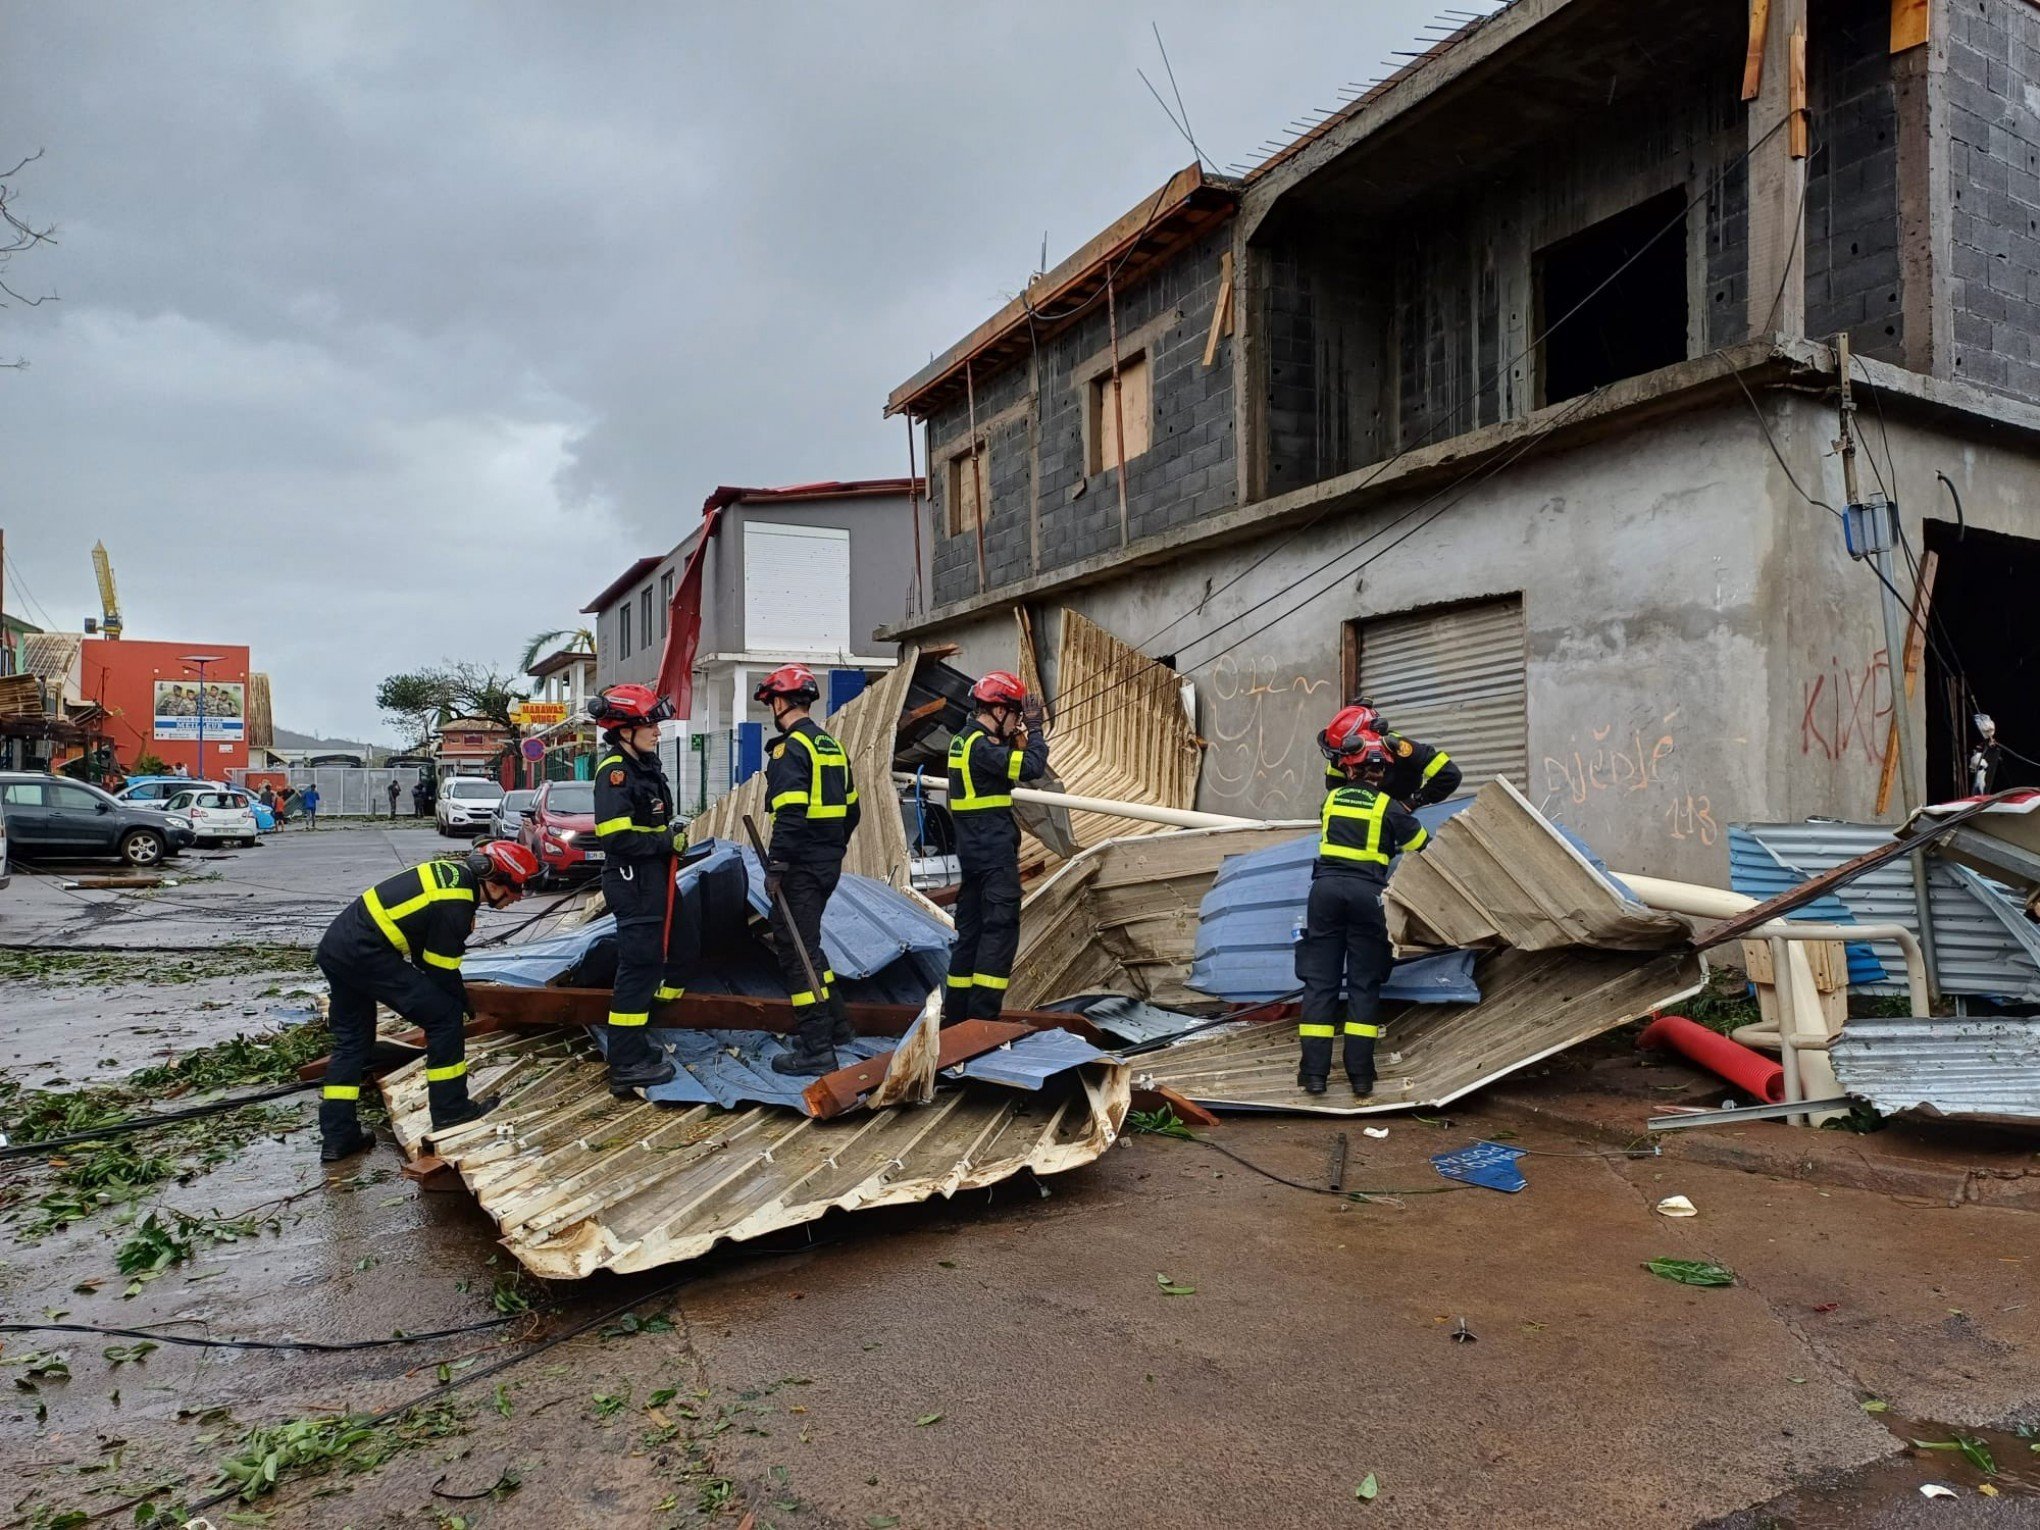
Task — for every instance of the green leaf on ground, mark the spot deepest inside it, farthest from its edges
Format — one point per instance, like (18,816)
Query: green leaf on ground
(1692,1272)
(926,1419)
(1367,1489)
(1875,1405)
(1977,1454)
(1173,1288)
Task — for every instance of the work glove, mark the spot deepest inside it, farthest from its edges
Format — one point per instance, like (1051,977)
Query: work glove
(1032,714)
(679,839)
(772,883)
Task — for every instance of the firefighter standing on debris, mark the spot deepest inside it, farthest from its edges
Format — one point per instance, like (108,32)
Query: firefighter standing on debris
(985,761)
(813,799)
(1345,938)
(400,944)
(1418,773)
(640,843)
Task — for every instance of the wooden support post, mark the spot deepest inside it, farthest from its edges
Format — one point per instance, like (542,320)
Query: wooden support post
(1118,404)
(1915,649)
(1795,95)
(1753,59)
(1221,311)
(977,474)
(1911,23)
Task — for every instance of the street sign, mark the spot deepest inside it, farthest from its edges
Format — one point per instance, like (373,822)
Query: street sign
(532,749)
(540,714)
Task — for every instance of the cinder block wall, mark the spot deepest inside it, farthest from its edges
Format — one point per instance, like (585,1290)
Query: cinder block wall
(1852,272)
(1992,81)
(1045,511)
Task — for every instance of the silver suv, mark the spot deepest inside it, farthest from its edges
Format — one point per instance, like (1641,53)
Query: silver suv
(466,804)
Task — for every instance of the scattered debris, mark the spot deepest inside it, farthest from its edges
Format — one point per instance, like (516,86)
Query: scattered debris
(1378,1133)
(1368,1487)
(1174,1288)
(1677,1206)
(1461,1334)
(1935,1490)
(1487,1164)
(1976,1068)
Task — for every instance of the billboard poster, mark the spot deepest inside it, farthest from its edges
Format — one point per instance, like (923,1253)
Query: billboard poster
(226,711)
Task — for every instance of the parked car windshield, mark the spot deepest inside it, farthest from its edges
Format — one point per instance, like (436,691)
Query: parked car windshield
(470,787)
(517,802)
(571,797)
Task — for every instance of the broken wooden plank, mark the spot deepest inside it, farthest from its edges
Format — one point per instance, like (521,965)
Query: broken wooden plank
(1753,59)
(834,1093)
(1911,23)
(1915,646)
(1221,308)
(1795,93)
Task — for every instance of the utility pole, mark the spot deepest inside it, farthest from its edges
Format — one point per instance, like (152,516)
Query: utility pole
(1872,531)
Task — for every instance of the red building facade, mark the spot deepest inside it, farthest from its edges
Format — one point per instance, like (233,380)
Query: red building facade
(153,700)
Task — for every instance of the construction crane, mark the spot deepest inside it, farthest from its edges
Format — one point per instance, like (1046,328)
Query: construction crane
(109,601)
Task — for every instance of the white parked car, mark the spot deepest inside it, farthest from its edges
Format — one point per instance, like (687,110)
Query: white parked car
(217,814)
(466,804)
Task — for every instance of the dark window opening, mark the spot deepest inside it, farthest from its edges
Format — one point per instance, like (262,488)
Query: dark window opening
(1977,661)
(1635,323)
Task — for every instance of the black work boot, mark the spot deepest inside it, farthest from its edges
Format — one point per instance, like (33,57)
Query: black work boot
(811,1051)
(1360,1065)
(1310,1083)
(841,1031)
(634,1063)
(466,1111)
(1316,1065)
(340,1133)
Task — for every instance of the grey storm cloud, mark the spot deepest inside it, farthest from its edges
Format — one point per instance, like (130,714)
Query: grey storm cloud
(389,333)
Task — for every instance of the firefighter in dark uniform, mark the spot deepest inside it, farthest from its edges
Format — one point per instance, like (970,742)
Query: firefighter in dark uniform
(1418,773)
(1345,939)
(813,799)
(400,943)
(985,761)
(640,844)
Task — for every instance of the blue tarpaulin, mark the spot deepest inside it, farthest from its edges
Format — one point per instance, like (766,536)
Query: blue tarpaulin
(1756,872)
(886,947)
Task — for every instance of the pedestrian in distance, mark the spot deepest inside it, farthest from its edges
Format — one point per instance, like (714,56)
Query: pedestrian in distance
(813,799)
(400,944)
(1345,942)
(309,801)
(1003,744)
(267,796)
(418,798)
(641,846)
(394,790)
(1418,773)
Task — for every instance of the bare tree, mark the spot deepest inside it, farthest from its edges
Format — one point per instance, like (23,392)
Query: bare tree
(17,236)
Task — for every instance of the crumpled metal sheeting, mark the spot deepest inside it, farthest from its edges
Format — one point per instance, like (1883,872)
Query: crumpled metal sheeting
(1535,1003)
(1756,872)
(1983,943)
(1122,916)
(1031,1061)
(1976,1068)
(1499,873)
(1131,1022)
(578,1181)
(731,1068)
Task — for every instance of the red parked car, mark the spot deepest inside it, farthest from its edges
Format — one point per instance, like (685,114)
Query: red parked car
(560,830)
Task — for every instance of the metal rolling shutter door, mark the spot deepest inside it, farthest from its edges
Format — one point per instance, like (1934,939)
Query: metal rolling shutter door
(1454,678)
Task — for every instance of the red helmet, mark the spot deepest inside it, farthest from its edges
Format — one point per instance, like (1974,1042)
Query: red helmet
(796,682)
(1364,750)
(1345,723)
(622,705)
(999,689)
(502,860)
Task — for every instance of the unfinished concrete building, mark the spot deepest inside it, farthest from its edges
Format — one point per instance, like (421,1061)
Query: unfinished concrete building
(1507,396)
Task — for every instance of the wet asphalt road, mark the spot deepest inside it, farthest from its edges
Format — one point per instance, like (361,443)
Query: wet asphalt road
(1071,1391)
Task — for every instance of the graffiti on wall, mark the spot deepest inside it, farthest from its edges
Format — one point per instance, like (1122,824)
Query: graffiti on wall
(1262,725)
(1845,710)
(1619,764)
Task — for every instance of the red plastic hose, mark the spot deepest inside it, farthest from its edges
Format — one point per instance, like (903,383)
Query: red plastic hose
(1751,1072)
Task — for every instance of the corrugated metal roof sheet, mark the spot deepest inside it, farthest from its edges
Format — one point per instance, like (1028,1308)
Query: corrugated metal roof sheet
(1983,944)
(1984,1069)
(1246,924)
(1533,1004)
(1132,1022)
(578,1181)
(1499,873)
(1031,1061)
(731,1068)
(1757,873)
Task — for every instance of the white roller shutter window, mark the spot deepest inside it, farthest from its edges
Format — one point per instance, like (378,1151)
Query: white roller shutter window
(1454,678)
(796,589)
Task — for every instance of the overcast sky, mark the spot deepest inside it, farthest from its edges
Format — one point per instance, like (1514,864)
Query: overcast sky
(389,333)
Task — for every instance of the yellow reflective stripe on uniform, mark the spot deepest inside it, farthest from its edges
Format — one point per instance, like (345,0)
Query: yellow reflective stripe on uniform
(986,980)
(1438,763)
(384,922)
(1013,764)
(802,1000)
(450,1071)
(959,980)
(1315,1030)
(342,1092)
(970,799)
(607,760)
(637,1019)
(449,963)
(1371,815)
(1355,1028)
(818,805)
(786,799)
(1418,840)
(612,826)
(667,995)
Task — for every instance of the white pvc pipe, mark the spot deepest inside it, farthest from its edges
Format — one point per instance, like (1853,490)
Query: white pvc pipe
(1143,812)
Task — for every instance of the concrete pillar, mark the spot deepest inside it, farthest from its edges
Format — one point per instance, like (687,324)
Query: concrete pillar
(1919,81)
(740,693)
(1777,295)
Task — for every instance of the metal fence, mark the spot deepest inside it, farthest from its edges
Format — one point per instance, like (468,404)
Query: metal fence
(704,763)
(347,791)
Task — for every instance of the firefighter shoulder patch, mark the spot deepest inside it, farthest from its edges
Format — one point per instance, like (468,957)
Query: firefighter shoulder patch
(616,778)
(1405,748)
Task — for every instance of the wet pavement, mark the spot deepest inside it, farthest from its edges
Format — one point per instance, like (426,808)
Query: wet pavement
(1010,1358)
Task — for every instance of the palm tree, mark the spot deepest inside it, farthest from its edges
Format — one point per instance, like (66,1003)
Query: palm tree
(579,638)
